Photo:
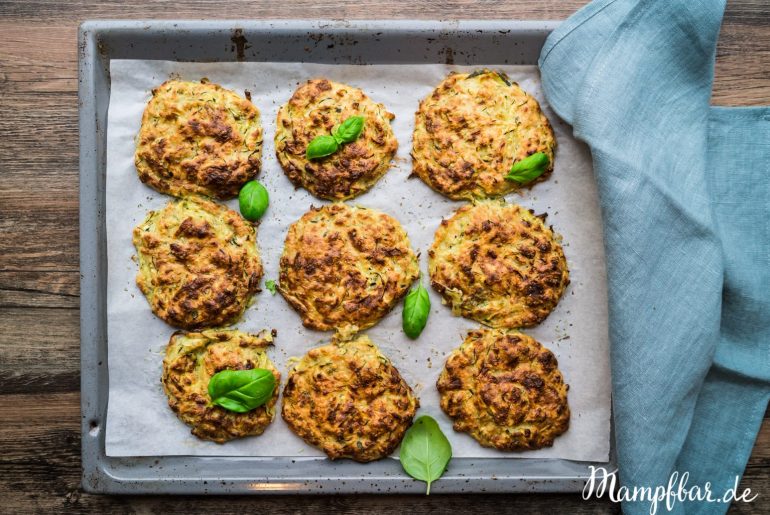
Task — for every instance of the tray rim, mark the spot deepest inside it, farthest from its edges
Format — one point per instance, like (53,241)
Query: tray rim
(193,474)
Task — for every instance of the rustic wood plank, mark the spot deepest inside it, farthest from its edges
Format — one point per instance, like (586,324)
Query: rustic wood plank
(39,351)
(322,9)
(743,56)
(39,273)
(39,289)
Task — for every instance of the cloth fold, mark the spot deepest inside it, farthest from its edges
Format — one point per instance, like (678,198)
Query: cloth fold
(685,194)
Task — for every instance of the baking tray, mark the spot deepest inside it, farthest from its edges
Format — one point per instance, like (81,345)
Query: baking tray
(359,42)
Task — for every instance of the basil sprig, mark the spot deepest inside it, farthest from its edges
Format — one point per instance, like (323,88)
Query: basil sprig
(253,201)
(322,146)
(529,168)
(349,130)
(346,132)
(416,311)
(425,451)
(270,285)
(241,390)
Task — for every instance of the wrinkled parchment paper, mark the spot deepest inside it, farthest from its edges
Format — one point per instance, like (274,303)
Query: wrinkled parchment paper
(139,422)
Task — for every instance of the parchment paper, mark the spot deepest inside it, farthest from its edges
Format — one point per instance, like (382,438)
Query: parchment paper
(139,422)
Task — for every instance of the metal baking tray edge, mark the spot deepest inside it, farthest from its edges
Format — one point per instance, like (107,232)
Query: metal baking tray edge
(357,42)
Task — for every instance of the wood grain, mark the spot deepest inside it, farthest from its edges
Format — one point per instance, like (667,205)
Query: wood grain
(39,271)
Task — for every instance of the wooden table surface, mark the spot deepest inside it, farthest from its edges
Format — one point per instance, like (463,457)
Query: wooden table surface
(39,273)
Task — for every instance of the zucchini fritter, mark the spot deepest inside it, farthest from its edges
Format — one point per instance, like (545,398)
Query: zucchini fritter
(198,137)
(349,400)
(315,109)
(345,267)
(193,358)
(498,264)
(505,390)
(199,264)
(472,129)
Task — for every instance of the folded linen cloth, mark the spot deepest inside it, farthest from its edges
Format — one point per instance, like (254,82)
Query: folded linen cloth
(685,194)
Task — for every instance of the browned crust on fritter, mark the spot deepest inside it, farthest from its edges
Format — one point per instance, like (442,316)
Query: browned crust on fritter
(505,390)
(198,263)
(198,137)
(193,358)
(472,129)
(315,109)
(498,263)
(345,267)
(348,399)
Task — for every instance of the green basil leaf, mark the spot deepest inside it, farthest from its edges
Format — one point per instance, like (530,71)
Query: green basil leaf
(321,146)
(270,285)
(349,130)
(425,451)
(529,168)
(253,201)
(241,390)
(416,311)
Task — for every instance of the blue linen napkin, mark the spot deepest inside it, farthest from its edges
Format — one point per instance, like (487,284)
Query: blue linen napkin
(685,194)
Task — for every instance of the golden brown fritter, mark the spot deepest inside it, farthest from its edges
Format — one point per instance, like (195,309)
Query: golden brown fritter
(498,264)
(315,109)
(472,129)
(193,358)
(345,267)
(349,400)
(198,137)
(199,264)
(505,390)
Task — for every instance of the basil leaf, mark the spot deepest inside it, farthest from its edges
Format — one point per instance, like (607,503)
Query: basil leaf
(253,201)
(321,146)
(270,285)
(241,390)
(425,451)
(349,130)
(529,168)
(416,311)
